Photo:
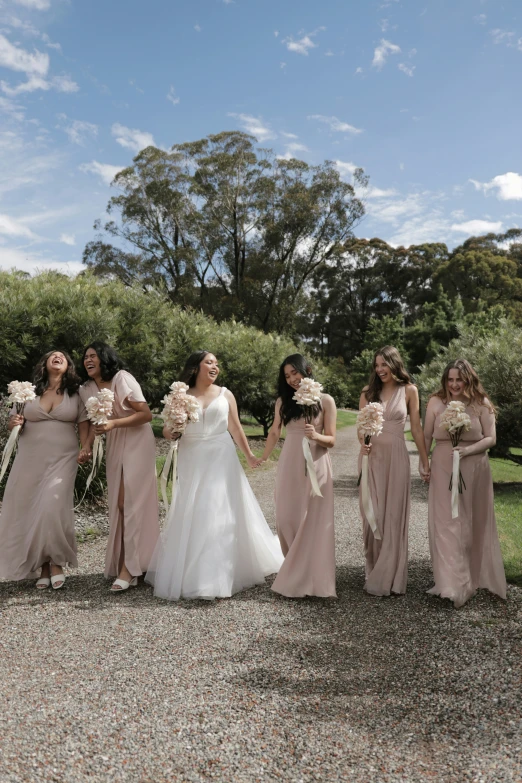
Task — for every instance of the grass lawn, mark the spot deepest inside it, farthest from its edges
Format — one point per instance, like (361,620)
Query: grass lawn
(508,510)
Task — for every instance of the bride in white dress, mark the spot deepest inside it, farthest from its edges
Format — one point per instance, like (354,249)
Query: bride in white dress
(217,541)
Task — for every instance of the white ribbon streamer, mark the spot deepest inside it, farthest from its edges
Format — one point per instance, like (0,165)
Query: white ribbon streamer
(171,461)
(316,491)
(367,500)
(9,448)
(97,457)
(455,485)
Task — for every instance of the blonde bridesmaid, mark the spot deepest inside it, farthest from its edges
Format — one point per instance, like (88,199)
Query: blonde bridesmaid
(37,520)
(305,524)
(389,473)
(131,467)
(465,551)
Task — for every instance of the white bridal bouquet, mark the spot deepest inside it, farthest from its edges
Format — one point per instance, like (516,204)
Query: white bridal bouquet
(370,420)
(99,410)
(179,409)
(309,394)
(20,392)
(455,421)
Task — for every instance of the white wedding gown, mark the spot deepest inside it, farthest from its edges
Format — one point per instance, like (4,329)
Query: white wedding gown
(217,541)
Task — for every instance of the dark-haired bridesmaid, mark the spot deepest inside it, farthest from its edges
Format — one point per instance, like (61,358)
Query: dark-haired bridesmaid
(37,519)
(305,524)
(389,472)
(465,551)
(131,467)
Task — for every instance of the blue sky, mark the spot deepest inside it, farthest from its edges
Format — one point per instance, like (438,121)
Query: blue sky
(423,94)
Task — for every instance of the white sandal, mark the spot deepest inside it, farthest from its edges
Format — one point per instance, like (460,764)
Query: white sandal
(119,585)
(43,583)
(58,578)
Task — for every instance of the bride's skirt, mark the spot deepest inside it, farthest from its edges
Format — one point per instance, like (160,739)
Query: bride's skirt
(217,541)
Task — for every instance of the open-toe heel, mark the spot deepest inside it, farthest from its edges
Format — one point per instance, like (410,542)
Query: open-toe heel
(119,585)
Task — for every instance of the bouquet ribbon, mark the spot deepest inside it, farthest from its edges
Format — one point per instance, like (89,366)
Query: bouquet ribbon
(455,485)
(9,448)
(316,491)
(97,456)
(366,499)
(170,463)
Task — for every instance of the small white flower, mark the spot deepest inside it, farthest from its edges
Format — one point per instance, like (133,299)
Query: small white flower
(21,392)
(370,419)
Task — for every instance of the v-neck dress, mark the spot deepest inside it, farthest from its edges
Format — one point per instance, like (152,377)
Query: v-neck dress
(131,454)
(465,551)
(389,482)
(217,541)
(37,519)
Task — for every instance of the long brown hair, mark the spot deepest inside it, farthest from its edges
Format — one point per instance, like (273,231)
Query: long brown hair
(70,380)
(473,389)
(393,359)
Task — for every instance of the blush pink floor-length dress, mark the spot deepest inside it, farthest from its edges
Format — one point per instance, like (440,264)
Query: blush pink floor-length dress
(465,551)
(37,519)
(389,482)
(131,454)
(305,524)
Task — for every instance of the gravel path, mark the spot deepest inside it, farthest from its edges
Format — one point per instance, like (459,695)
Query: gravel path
(98,687)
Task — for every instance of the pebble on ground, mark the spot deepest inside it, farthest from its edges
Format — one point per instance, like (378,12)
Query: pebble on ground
(98,687)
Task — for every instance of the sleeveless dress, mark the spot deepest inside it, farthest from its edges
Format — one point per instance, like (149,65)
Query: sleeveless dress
(305,524)
(465,551)
(389,482)
(37,519)
(131,453)
(217,541)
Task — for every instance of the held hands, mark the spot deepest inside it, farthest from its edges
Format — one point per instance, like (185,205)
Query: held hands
(310,432)
(253,461)
(425,472)
(102,429)
(84,456)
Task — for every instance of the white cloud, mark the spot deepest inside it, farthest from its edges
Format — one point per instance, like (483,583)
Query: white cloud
(31,262)
(60,83)
(477,227)
(289,135)
(276,33)
(68,239)
(12,109)
(105,171)
(14,228)
(401,166)
(172,97)
(254,126)
(502,36)
(335,124)
(359,70)
(283,66)
(197,28)
(508,186)
(38,5)
(382,51)
(291,149)
(132,138)
(373,192)
(303,44)
(64,84)
(345,168)
(79,131)
(384,24)
(480,19)
(407,69)
(17,59)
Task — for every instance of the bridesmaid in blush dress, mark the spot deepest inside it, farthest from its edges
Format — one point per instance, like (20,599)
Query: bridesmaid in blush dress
(37,519)
(389,473)
(305,524)
(131,467)
(465,551)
